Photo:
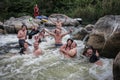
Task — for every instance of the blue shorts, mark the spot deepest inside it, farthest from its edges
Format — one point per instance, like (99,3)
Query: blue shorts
(58,45)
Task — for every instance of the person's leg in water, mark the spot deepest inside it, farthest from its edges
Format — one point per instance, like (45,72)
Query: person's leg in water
(21,43)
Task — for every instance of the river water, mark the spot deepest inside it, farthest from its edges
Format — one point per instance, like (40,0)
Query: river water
(51,65)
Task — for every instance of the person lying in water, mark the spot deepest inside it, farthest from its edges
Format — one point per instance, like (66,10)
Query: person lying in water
(58,36)
(92,55)
(69,49)
(37,51)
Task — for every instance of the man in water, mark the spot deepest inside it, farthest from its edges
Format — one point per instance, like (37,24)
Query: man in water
(58,36)
(37,51)
(72,53)
(22,36)
(58,23)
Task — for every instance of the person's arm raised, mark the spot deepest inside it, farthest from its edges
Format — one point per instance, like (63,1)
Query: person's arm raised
(70,31)
(50,33)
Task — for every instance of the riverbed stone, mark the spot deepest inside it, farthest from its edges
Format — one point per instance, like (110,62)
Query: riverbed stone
(116,67)
(106,36)
(69,21)
(14,24)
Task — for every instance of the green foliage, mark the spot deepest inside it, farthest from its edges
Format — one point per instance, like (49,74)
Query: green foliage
(89,10)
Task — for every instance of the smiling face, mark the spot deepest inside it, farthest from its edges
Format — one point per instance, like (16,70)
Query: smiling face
(69,42)
(36,45)
(73,45)
(57,31)
(25,45)
(89,52)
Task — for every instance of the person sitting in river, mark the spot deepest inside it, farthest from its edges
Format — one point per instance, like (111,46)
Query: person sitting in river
(73,51)
(22,35)
(58,22)
(58,36)
(37,51)
(25,49)
(40,37)
(66,47)
(33,32)
(92,55)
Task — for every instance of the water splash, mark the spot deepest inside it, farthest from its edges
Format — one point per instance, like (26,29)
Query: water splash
(51,65)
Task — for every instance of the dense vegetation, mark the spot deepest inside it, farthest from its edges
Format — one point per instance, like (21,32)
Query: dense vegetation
(88,10)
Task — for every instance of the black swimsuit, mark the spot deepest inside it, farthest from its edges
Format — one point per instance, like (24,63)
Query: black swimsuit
(93,58)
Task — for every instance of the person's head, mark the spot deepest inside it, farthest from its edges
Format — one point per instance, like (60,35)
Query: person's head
(74,45)
(36,45)
(42,32)
(58,20)
(36,5)
(69,42)
(24,27)
(89,51)
(26,45)
(57,31)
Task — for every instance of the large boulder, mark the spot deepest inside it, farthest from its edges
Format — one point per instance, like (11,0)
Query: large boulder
(106,36)
(69,21)
(82,32)
(14,24)
(116,67)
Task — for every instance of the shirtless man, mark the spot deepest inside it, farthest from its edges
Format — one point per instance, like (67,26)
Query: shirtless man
(58,36)
(73,51)
(66,48)
(37,51)
(58,23)
(22,36)
(40,37)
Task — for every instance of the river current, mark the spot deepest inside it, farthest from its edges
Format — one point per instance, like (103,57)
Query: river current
(51,65)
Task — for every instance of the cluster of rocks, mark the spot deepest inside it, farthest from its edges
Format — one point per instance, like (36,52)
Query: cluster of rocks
(12,25)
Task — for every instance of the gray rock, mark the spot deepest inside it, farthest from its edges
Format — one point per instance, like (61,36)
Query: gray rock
(116,67)
(14,24)
(106,36)
(69,21)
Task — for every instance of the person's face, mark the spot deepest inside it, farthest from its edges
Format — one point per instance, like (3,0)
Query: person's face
(25,45)
(69,42)
(73,45)
(24,28)
(36,44)
(89,51)
(58,31)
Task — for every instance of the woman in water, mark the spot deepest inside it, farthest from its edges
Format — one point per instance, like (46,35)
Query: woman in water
(66,48)
(92,55)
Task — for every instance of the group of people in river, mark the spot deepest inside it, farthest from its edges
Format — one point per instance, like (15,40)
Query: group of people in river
(38,36)
(69,49)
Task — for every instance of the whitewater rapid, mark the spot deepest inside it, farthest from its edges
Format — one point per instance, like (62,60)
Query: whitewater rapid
(52,65)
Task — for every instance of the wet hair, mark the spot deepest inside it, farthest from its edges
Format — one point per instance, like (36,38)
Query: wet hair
(75,43)
(24,26)
(67,41)
(88,47)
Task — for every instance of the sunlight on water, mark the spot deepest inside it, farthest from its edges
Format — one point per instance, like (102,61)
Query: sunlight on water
(51,65)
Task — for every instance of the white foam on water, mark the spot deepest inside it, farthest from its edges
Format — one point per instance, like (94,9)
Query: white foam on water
(8,39)
(51,65)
